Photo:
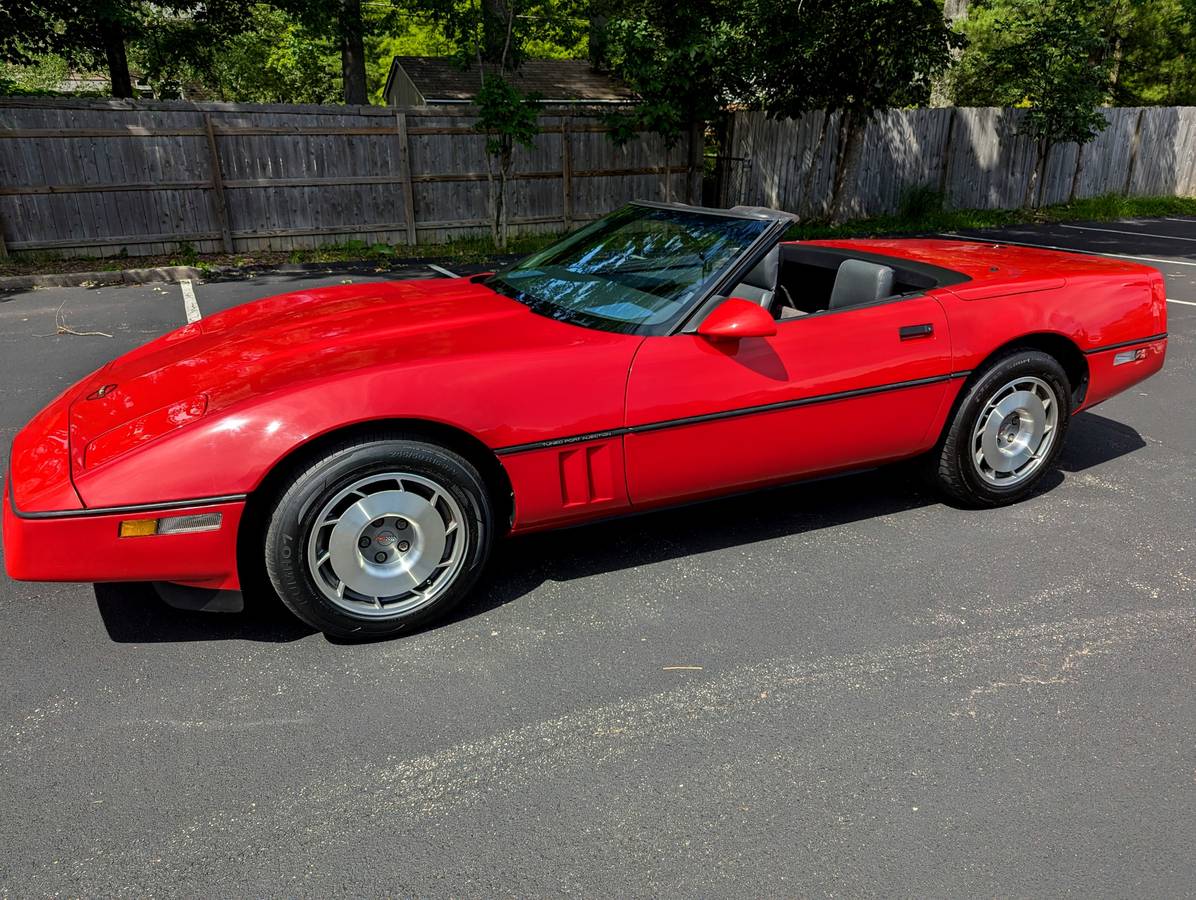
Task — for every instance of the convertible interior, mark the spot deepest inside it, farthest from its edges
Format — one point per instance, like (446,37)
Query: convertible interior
(793,280)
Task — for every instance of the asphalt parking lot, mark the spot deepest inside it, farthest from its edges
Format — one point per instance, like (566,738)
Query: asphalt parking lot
(845,687)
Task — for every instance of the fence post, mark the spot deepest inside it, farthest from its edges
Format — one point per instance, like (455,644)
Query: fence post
(566,173)
(405,174)
(1129,170)
(3,246)
(226,234)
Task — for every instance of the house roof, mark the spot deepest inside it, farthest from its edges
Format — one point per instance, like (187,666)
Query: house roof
(441,79)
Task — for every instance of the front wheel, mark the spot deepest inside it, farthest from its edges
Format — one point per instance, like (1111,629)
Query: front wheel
(1006,432)
(379,536)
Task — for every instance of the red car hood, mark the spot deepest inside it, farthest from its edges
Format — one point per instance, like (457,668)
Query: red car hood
(253,349)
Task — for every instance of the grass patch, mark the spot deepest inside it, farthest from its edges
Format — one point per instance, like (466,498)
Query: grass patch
(922,212)
(461,250)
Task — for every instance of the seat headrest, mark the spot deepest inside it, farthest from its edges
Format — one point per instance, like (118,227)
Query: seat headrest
(858,281)
(764,274)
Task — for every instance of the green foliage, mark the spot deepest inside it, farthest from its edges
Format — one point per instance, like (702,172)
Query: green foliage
(1151,44)
(506,32)
(1106,208)
(506,116)
(277,59)
(1050,56)
(684,60)
(187,255)
(461,251)
(93,34)
(63,27)
(854,55)
(921,202)
(41,75)
(493,35)
(1139,49)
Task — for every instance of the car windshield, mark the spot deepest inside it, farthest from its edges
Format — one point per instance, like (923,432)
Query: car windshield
(638,269)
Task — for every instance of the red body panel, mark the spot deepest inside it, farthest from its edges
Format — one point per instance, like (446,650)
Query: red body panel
(52,549)
(586,423)
(40,460)
(685,376)
(281,371)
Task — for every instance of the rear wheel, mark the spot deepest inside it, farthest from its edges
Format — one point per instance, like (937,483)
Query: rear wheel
(1006,432)
(379,536)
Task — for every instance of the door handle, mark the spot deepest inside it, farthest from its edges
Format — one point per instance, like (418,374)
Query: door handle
(909,332)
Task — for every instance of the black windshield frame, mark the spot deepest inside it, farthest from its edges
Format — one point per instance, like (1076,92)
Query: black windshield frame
(770,231)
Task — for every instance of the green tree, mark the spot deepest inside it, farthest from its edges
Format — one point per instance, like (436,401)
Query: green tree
(266,54)
(1051,57)
(685,61)
(851,56)
(688,62)
(1151,47)
(340,20)
(85,33)
(276,59)
(493,37)
(167,37)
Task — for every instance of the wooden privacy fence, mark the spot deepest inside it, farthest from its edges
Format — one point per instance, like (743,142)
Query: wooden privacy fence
(976,158)
(112,177)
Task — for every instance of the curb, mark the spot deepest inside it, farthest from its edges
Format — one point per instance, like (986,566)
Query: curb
(95,279)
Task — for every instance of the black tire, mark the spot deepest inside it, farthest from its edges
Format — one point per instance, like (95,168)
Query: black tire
(952,466)
(304,498)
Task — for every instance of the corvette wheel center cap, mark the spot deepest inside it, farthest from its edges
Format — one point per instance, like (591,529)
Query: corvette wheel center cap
(384,538)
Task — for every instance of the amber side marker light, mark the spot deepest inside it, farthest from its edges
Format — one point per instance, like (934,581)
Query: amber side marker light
(171,525)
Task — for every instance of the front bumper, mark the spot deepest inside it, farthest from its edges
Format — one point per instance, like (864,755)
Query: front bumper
(85,545)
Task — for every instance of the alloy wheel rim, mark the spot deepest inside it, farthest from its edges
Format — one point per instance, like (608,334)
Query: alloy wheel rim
(387,545)
(1015,432)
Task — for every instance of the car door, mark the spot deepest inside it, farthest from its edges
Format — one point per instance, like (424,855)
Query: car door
(833,390)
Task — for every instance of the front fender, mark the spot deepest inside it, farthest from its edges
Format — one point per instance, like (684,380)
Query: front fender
(231,451)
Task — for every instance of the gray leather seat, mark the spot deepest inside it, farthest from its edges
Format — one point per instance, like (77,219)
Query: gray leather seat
(858,281)
(760,284)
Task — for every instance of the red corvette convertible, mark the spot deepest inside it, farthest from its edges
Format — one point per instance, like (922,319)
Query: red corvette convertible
(366,445)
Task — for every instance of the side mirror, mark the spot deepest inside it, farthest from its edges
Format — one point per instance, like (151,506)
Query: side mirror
(737,318)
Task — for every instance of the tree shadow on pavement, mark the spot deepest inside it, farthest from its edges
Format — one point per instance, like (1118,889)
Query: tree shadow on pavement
(133,613)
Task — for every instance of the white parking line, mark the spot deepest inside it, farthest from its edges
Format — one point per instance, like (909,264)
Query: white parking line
(1184,302)
(442,270)
(1168,237)
(189,303)
(977,239)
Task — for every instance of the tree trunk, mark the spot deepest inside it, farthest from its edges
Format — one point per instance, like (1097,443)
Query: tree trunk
(954,11)
(113,34)
(1042,171)
(496,22)
(815,156)
(597,42)
(849,156)
(695,164)
(668,177)
(352,52)
(1033,189)
(504,227)
(499,227)
(1115,69)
